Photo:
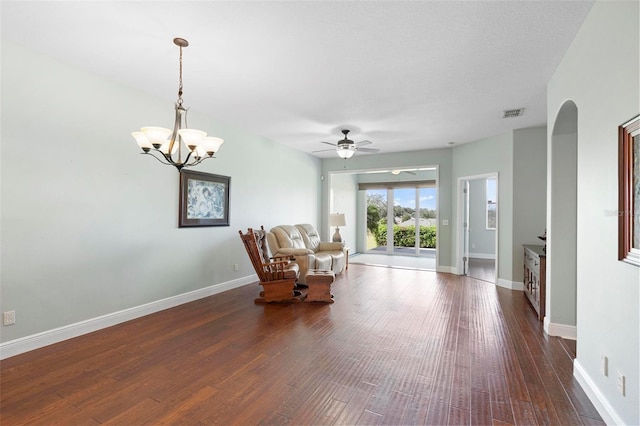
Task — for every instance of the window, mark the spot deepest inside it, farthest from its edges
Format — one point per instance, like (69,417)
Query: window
(629,191)
(492,204)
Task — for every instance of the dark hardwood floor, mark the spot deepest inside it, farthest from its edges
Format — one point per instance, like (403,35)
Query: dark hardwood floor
(397,347)
(482,269)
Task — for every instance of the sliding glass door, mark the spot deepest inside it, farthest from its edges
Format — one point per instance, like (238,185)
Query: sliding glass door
(406,228)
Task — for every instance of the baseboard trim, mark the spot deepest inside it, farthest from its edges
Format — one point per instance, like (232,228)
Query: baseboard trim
(511,285)
(446,269)
(597,398)
(560,330)
(482,255)
(49,337)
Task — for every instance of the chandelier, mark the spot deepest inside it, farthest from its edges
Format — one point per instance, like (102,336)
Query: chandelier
(164,144)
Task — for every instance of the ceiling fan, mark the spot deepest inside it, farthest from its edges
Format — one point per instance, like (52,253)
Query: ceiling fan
(397,172)
(346,147)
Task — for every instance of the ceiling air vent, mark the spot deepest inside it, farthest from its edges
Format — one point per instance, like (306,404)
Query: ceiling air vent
(511,113)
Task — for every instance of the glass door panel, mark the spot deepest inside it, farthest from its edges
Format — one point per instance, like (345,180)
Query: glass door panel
(404,221)
(427,220)
(376,220)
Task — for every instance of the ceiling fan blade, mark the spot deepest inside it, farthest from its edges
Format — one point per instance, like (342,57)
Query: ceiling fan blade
(329,143)
(368,150)
(324,150)
(364,142)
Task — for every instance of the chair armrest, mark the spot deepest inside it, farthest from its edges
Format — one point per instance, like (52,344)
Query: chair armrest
(329,246)
(287,259)
(277,264)
(288,252)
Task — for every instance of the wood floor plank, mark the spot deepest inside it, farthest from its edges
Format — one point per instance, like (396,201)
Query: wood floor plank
(397,347)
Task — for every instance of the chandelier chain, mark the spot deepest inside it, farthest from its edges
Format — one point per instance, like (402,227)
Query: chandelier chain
(180,86)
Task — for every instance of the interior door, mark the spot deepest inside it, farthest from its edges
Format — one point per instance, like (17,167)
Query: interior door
(480,227)
(465,254)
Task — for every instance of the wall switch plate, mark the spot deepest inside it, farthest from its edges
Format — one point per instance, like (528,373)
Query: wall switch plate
(604,365)
(9,317)
(445,222)
(621,383)
(236,267)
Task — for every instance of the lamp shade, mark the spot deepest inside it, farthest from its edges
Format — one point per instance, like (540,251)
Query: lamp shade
(156,135)
(212,144)
(337,219)
(345,152)
(142,140)
(192,138)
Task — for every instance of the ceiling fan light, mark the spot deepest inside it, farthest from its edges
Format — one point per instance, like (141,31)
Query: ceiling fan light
(345,152)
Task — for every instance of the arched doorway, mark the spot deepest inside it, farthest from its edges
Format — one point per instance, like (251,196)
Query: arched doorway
(562,246)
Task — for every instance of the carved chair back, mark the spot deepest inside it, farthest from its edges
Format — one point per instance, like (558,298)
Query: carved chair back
(255,244)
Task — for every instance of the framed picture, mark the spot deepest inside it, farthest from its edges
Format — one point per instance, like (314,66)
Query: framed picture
(204,199)
(629,191)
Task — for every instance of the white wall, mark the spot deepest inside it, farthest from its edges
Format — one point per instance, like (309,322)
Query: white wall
(344,188)
(89,226)
(600,74)
(562,229)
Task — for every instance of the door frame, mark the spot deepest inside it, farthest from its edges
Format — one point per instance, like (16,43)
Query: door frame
(390,248)
(460,231)
(363,226)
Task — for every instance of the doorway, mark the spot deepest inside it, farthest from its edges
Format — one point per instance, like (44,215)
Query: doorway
(478,222)
(394,207)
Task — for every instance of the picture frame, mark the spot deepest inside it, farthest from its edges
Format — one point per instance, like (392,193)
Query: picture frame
(629,191)
(204,199)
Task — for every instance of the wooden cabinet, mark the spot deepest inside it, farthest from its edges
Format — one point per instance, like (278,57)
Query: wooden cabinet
(535,271)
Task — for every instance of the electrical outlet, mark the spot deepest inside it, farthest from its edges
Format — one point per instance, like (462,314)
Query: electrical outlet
(9,317)
(621,383)
(236,267)
(604,365)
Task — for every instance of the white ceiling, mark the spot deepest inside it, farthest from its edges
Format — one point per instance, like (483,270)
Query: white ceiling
(406,75)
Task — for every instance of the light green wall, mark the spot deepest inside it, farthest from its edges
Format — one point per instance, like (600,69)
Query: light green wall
(89,226)
(599,73)
(529,191)
(489,155)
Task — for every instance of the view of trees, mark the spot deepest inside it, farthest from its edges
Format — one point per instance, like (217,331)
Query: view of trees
(403,236)
(377,211)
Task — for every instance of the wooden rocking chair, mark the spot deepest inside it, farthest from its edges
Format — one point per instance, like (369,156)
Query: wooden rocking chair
(277,276)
